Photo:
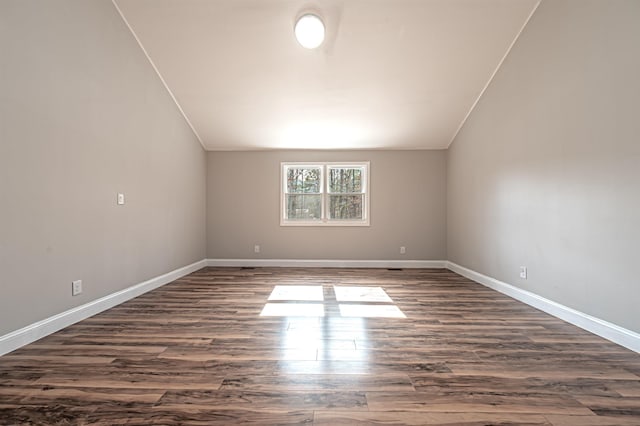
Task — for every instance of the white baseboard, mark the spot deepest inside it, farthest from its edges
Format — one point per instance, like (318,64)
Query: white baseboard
(31,333)
(623,337)
(314,263)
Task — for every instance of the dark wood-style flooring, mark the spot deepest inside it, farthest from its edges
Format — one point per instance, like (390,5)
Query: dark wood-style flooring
(197,352)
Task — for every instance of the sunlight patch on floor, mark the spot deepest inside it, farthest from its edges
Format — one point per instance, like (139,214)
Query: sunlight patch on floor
(361,294)
(293,310)
(366,302)
(306,293)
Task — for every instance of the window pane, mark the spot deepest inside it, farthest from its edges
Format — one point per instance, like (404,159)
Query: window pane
(303,180)
(304,207)
(345,180)
(347,207)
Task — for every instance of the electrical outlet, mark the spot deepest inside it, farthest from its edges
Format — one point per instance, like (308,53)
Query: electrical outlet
(256,248)
(76,287)
(523,272)
(403,250)
(120,199)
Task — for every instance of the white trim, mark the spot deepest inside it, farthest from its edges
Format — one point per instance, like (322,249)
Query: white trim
(153,65)
(31,333)
(473,106)
(623,337)
(321,263)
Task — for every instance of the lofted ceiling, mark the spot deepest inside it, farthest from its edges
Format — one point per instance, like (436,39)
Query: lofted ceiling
(391,74)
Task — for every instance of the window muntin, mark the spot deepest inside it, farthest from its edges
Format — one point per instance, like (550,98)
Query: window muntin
(325,194)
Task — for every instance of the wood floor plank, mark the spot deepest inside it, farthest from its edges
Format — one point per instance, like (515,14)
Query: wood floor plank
(11,395)
(105,350)
(320,382)
(233,354)
(197,352)
(359,367)
(612,405)
(626,387)
(45,415)
(548,370)
(475,403)
(130,339)
(263,401)
(453,384)
(410,418)
(89,396)
(139,380)
(62,359)
(568,420)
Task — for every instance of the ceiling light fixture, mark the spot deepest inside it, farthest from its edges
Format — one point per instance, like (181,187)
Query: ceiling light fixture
(309,31)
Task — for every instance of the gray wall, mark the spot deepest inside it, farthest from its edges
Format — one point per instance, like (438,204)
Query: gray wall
(407,208)
(82,117)
(546,172)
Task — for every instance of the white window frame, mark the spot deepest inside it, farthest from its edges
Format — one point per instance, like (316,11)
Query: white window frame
(324,192)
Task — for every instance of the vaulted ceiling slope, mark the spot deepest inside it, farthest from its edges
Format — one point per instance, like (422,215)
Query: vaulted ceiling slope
(391,74)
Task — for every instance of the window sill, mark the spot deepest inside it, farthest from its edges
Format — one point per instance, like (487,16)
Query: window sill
(325,224)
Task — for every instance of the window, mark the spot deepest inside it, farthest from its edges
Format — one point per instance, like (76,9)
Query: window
(324,194)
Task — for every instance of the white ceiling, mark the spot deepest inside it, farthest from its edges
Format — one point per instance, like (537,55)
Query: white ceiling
(392,74)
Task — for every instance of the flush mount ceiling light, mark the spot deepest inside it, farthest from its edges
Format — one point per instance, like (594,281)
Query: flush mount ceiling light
(309,31)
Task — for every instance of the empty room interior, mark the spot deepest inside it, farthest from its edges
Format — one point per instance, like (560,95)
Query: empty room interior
(327,212)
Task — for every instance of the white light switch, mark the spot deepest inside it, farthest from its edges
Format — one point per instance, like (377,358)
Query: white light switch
(120,199)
